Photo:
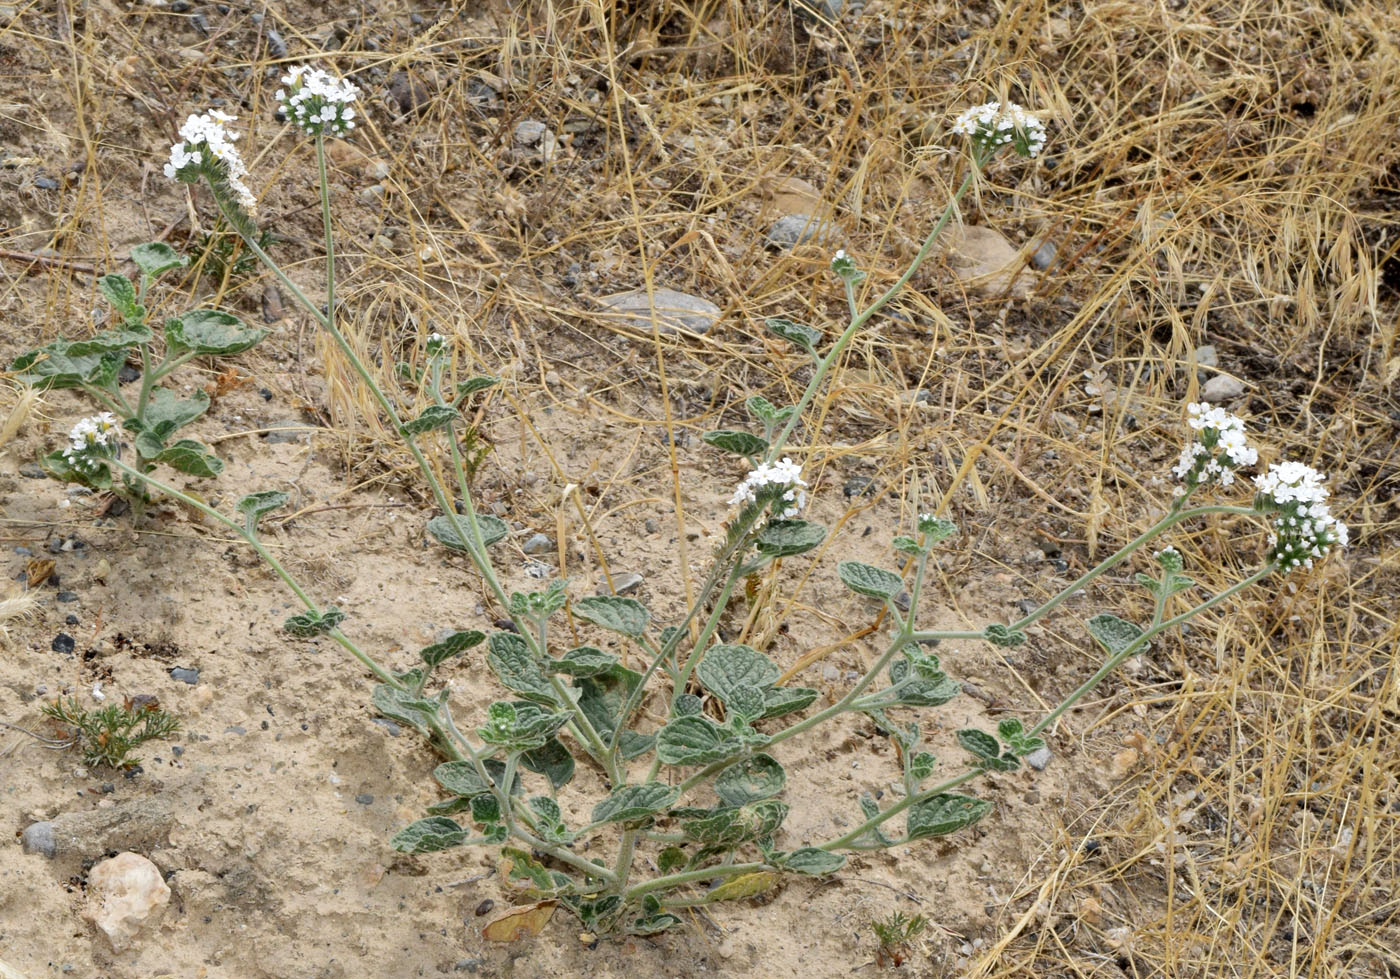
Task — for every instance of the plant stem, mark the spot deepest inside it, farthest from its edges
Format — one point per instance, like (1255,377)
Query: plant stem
(691,877)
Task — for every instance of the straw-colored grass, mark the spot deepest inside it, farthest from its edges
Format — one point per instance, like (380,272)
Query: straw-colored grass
(1219,173)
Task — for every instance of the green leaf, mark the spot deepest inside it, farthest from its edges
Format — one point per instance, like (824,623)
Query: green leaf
(529,871)
(921,765)
(461,778)
(520,725)
(119,291)
(912,686)
(210,332)
(817,863)
(429,835)
(783,538)
(1000,635)
(510,659)
(485,809)
(52,367)
(762,409)
(1148,582)
(754,778)
(745,703)
(635,802)
(309,625)
(719,827)
(492,529)
(1113,633)
(943,814)
(56,464)
(695,740)
(255,506)
(474,384)
(873,582)
(723,669)
(614,613)
(804,336)
(778,701)
(110,341)
(434,416)
(406,707)
(155,257)
(191,457)
(671,859)
(166,413)
(539,604)
(739,443)
(936,529)
(550,818)
(583,661)
(845,268)
(906,545)
(1169,560)
(458,642)
(653,924)
(1010,729)
(553,761)
(687,705)
(981,744)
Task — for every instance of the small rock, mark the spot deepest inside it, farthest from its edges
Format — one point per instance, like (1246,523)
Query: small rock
(650,525)
(1206,356)
(185,674)
(286,430)
(272,308)
(983,260)
(31,470)
(124,893)
(791,230)
(38,838)
(858,486)
(388,725)
(1044,256)
(830,673)
(903,601)
(70,620)
(529,132)
(1039,758)
(1221,387)
(365,799)
(538,544)
(674,312)
(408,92)
(46,183)
(67,596)
(275,45)
(62,643)
(623,584)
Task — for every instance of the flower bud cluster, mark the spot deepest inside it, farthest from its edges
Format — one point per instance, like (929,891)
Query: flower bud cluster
(993,126)
(1304,527)
(91,439)
(317,102)
(206,149)
(1220,449)
(786,474)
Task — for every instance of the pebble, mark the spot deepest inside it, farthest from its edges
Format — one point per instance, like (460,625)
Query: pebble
(70,620)
(830,673)
(67,596)
(903,600)
(674,311)
(24,551)
(286,430)
(38,838)
(538,544)
(1221,387)
(1206,356)
(185,674)
(371,193)
(858,486)
(1044,256)
(791,230)
(624,583)
(63,643)
(533,133)
(1039,758)
(485,907)
(124,893)
(388,725)
(31,470)
(275,45)
(46,183)
(408,92)
(365,799)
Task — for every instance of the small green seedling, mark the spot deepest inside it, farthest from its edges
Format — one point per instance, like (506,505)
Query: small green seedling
(895,934)
(110,736)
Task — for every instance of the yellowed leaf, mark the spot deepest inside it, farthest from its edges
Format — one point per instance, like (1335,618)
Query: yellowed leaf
(745,885)
(522,922)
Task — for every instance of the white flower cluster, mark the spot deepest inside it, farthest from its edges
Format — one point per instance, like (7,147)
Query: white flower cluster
(317,102)
(1221,448)
(1305,528)
(787,474)
(96,433)
(205,143)
(993,126)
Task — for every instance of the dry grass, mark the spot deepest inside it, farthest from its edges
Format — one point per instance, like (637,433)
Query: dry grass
(1219,173)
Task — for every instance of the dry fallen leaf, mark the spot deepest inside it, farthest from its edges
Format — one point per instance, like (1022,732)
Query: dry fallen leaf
(522,922)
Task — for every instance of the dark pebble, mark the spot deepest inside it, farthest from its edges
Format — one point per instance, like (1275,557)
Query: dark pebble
(223,8)
(185,674)
(506,624)
(55,545)
(235,729)
(388,725)
(46,183)
(201,24)
(180,7)
(275,45)
(63,643)
(177,750)
(859,486)
(1091,847)
(31,470)
(133,771)
(409,93)
(265,394)
(469,966)
(485,907)
(365,799)
(109,787)
(127,374)
(67,596)
(70,620)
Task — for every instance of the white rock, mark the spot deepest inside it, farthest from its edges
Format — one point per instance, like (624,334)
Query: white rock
(124,893)
(985,261)
(1221,387)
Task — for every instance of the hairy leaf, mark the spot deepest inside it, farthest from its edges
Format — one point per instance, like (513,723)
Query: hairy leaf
(739,443)
(553,761)
(433,416)
(405,707)
(461,777)
(745,886)
(53,367)
(614,613)
(192,458)
(778,701)
(804,336)
(473,384)
(755,778)
(1113,633)
(429,835)
(510,659)
(210,332)
(725,668)
(584,661)
(1000,635)
(864,579)
(111,341)
(255,506)
(635,802)
(458,642)
(441,530)
(784,538)
(309,625)
(695,740)
(520,725)
(943,814)
(155,257)
(817,863)
(118,290)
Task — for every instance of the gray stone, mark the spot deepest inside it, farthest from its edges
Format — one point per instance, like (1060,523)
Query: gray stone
(528,132)
(858,486)
(31,470)
(365,799)
(1221,387)
(1044,256)
(38,838)
(800,229)
(185,674)
(675,312)
(388,725)
(538,544)
(623,583)
(287,430)
(1207,357)
(1039,758)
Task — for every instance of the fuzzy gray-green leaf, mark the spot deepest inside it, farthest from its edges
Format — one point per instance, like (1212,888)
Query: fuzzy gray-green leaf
(614,613)
(739,443)
(755,778)
(433,416)
(440,528)
(804,336)
(155,257)
(873,582)
(510,659)
(1113,633)
(583,661)
(552,760)
(784,538)
(943,814)
(428,836)
(817,863)
(210,332)
(458,642)
(192,458)
(725,668)
(632,802)
(695,740)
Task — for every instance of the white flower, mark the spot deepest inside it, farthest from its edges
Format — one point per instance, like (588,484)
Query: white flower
(787,474)
(206,143)
(1221,449)
(317,102)
(1304,527)
(992,126)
